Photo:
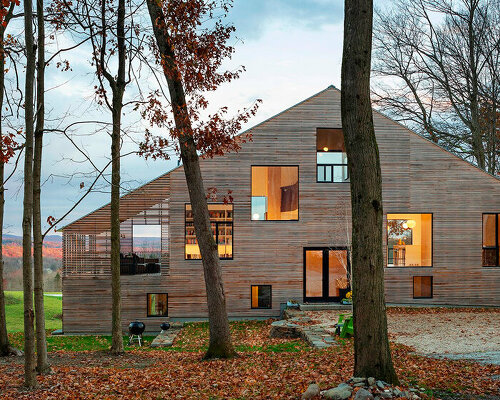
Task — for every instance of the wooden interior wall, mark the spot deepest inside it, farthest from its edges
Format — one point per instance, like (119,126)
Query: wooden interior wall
(418,177)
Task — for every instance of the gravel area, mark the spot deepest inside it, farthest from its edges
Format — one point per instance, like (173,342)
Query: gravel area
(436,331)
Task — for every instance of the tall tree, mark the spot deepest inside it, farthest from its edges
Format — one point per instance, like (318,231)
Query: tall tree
(371,345)
(41,340)
(7,144)
(29,334)
(190,56)
(442,58)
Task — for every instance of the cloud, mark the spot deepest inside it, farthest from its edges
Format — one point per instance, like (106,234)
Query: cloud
(252,17)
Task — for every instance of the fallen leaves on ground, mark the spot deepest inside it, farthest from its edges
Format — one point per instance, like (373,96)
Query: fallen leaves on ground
(258,372)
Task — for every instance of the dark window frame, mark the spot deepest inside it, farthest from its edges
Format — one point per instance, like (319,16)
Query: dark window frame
(147,306)
(432,286)
(387,241)
(270,297)
(497,240)
(298,194)
(216,232)
(329,165)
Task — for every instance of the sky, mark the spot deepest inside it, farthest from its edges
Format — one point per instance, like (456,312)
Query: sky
(291,49)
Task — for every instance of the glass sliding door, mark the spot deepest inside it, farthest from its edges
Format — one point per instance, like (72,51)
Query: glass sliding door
(325,274)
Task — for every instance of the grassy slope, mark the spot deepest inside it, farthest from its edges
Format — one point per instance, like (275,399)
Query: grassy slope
(14,311)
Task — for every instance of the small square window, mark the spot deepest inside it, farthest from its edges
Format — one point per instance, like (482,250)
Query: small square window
(157,304)
(261,296)
(422,287)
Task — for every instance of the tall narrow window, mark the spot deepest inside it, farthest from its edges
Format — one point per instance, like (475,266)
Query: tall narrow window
(275,193)
(409,240)
(331,157)
(491,239)
(261,296)
(422,287)
(157,304)
(221,220)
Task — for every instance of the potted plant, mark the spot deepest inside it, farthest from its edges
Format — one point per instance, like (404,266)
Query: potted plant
(348,298)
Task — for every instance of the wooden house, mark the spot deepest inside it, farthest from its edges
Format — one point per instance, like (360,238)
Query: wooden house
(286,234)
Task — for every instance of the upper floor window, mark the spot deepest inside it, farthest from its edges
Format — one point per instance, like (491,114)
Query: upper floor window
(221,220)
(409,240)
(491,239)
(331,158)
(275,193)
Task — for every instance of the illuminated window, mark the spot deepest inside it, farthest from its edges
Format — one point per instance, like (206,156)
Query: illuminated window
(261,296)
(409,240)
(422,287)
(157,304)
(275,193)
(491,239)
(221,220)
(331,157)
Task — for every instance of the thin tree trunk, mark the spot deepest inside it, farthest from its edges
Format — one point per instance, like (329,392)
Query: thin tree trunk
(41,340)
(4,338)
(371,345)
(118,89)
(220,345)
(29,334)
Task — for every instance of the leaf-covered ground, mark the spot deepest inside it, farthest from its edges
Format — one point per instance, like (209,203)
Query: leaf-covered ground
(265,369)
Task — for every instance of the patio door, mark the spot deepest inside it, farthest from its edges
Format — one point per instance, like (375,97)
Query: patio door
(325,274)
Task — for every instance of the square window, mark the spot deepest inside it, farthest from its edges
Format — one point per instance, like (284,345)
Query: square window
(422,287)
(157,304)
(409,240)
(275,193)
(261,296)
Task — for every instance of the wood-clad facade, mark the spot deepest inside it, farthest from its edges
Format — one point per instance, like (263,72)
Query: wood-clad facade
(418,177)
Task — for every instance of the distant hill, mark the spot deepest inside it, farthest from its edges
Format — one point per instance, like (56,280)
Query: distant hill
(12,246)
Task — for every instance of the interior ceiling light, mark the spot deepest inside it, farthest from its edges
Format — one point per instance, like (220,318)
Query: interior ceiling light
(325,148)
(411,223)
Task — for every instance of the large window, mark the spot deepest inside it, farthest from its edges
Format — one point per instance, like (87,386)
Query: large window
(221,220)
(145,257)
(409,240)
(261,296)
(491,240)
(275,193)
(331,158)
(157,304)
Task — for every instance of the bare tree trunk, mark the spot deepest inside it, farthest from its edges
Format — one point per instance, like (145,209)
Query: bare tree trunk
(41,340)
(4,338)
(371,345)
(29,334)
(220,345)
(118,89)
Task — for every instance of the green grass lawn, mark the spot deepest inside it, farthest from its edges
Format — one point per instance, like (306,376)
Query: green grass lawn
(14,312)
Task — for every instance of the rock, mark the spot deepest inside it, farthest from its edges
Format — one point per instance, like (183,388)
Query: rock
(422,389)
(406,394)
(284,329)
(415,397)
(380,384)
(371,381)
(363,394)
(396,392)
(338,393)
(385,395)
(413,390)
(357,380)
(360,384)
(311,392)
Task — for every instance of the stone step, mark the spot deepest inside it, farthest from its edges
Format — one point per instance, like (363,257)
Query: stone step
(324,306)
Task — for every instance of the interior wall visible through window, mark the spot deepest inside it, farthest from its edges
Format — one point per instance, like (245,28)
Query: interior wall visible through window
(409,240)
(157,304)
(275,193)
(491,240)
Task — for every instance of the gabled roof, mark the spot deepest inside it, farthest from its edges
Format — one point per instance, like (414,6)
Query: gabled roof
(135,194)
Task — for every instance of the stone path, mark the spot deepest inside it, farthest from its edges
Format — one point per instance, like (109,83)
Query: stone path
(166,338)
(298,325)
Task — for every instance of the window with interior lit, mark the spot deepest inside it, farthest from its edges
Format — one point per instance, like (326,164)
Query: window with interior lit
(491,240)
(221,220)
(409,240)
(422,287)
(331,157)
(261,296)
(157,304)
(275,193)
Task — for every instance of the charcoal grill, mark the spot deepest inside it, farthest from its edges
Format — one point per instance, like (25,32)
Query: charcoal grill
(135,331)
